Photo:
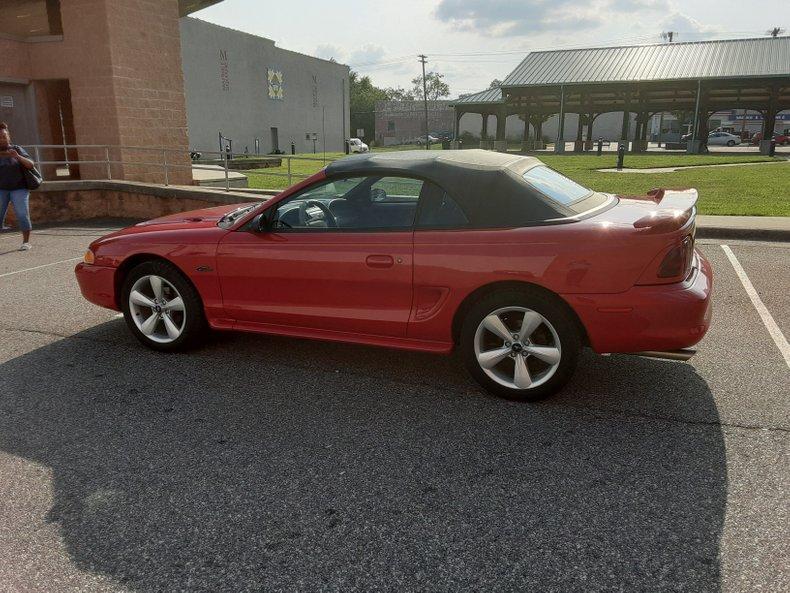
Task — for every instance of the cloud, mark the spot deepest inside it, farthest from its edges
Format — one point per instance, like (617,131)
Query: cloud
(677,21)
(368,54)
(506,18)
(328,51)
(631,6)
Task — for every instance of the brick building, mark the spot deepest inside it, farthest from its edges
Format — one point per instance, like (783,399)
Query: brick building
(399,122)
(97,72)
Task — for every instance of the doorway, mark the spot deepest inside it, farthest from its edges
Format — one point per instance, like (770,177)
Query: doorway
(275,140)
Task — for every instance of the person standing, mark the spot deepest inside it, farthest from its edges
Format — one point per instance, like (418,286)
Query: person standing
(13,187)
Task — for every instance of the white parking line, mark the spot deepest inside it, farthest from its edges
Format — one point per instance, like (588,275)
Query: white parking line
(765,315)
(54,263)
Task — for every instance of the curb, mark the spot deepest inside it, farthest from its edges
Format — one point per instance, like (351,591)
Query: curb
(713,232)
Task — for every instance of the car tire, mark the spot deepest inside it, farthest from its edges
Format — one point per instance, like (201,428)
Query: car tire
(549,352)
(162,290)
(730,142)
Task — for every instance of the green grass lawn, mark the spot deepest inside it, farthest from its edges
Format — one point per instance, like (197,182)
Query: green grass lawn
(757,190)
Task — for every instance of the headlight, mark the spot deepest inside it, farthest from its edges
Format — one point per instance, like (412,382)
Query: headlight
(89,258)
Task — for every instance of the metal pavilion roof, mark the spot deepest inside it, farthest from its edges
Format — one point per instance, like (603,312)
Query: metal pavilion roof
(493,95)
(699,60)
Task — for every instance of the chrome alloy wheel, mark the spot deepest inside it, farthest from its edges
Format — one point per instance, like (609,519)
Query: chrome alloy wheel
(157,309)
(517,347)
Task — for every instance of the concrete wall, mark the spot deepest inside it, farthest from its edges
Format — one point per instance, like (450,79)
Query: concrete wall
(83,200)
(226,79)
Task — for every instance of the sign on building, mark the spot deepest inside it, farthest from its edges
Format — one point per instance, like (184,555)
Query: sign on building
(360,132)
(275,78)
(224,70)
(315,91)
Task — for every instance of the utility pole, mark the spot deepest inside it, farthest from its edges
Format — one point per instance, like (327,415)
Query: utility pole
(423,59)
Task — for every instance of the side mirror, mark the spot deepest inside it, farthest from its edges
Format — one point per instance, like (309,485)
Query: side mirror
(263,222)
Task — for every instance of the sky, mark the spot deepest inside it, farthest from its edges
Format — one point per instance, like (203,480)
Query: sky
(473,42)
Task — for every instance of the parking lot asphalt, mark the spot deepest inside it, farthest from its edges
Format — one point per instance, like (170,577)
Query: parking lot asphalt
(270,464)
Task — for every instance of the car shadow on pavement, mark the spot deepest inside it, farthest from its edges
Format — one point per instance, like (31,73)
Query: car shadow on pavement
(260,463)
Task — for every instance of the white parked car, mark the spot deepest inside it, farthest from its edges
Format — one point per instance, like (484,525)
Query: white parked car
(431,138)
(723,139)
(356,145)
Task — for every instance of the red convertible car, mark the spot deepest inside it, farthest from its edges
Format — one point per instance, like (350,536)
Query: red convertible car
(498,255)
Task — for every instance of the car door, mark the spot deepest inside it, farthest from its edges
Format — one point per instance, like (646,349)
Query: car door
(336,256)
(715,139)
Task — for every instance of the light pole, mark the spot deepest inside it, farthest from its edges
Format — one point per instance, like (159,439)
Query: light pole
(423,59)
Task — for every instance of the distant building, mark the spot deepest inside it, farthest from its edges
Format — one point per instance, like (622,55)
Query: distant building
(741,120)
(400,122)
(247,88)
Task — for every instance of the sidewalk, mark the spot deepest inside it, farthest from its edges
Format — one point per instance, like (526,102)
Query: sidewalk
(762,228)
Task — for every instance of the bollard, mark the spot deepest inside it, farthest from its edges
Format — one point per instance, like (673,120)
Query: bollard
(772,147)
(620,156)
(600,146)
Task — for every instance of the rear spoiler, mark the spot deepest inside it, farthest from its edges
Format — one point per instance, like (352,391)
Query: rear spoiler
(673,209)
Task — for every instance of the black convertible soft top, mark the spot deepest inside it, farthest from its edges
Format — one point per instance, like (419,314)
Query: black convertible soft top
(487,185)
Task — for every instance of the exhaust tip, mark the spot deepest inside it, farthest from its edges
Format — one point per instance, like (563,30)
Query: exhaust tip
(683,354)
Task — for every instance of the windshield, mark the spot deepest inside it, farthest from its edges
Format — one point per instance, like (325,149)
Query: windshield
(231,217)
(555,186)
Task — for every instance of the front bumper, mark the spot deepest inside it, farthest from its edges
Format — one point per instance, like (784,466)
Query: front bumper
(97,284)
(660,318)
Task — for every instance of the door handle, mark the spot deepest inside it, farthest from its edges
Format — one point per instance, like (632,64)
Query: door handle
(379,261)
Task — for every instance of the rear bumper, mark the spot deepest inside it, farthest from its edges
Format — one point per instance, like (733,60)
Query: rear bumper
(97,284)
(662,317)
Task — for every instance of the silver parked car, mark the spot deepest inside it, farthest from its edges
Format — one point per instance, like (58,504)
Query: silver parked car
(723,139)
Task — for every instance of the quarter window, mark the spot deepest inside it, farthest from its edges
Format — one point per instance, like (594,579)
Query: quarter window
(555,186)
(439,210)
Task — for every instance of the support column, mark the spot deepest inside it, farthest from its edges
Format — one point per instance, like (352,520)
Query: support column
(578,145)
(697,144)
(538,125)
(559,145)
(500,142)
(485,143)
(590,120)
(525,136)
(456,143)
(769,121)
(626,121)
(641,131)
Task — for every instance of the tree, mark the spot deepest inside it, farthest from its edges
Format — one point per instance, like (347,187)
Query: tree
(362,101)
(435,86)
(495,84)
(398,94)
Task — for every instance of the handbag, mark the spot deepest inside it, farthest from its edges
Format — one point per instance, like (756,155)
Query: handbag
(33,178)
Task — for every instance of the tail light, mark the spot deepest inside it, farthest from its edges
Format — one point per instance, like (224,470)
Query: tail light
(677,262)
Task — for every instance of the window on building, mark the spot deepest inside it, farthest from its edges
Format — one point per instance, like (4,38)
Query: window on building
(30,18)
(390,126)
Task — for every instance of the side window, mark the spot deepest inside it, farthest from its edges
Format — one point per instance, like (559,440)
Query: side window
(396,189)
(438,210)
(352,204)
